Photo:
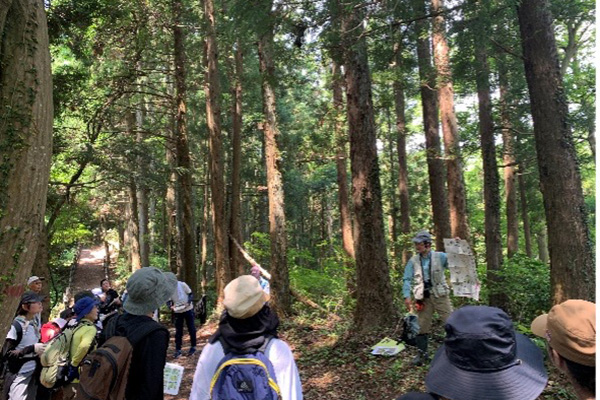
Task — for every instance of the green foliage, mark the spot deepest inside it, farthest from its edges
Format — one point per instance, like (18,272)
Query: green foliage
(526,283)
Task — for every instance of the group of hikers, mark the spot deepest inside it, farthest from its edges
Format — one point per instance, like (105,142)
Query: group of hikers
(482,356)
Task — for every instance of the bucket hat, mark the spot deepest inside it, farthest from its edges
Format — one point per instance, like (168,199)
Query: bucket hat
(484,358)
(83,307)
(570,329)
(148,288)
(243,297)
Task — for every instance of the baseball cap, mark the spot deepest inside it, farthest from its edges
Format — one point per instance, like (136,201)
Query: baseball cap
(33,279)
(570,329)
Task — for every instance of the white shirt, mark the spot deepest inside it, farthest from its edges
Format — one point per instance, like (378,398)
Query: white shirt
(180,298)
(278,352)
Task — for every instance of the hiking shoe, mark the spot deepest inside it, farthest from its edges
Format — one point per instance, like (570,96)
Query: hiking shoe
(420,359)
(177,353)
(192,351)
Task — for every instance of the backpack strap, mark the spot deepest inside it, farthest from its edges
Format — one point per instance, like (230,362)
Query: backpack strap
(19,329)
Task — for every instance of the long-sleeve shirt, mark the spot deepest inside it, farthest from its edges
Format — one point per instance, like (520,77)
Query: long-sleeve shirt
(83,341)
(409,271)
(278,352)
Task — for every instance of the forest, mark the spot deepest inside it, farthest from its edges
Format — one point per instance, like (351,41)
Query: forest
(317,135)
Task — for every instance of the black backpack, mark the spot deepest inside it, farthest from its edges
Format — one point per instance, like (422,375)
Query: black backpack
(3,357)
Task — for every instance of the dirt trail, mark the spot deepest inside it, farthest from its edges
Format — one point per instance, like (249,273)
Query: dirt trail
(89,271)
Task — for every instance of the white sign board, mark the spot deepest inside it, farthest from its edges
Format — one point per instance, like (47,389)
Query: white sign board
(463,272)
(173,376)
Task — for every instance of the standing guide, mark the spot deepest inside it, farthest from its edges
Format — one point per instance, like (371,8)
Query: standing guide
(424,276)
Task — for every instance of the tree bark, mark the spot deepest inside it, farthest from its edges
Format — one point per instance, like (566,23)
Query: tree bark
(374,295)
(542,242)
(235,217)
(26,112)
(134,228)
(212,91)
(401,130)
(184,165)
(524,210)
(571,257)
(342,177)
(142,191)
(510,187)
(280,288)
(491,179)
(435,166)
(459,223)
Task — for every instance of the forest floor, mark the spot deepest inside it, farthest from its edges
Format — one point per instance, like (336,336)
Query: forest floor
(334,363)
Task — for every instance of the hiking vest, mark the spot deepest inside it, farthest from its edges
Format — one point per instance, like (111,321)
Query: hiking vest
(439,287)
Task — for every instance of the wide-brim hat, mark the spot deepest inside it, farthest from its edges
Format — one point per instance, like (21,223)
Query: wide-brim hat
(84,306)
(422,237)
(489,361)
(244,297)
(570,329)
(148,289)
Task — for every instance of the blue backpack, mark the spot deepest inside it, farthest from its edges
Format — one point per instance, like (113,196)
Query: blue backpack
(244,376)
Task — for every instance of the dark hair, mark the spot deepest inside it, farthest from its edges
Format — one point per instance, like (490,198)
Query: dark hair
(84,293)
(584,375)
(23,311)
(103,280)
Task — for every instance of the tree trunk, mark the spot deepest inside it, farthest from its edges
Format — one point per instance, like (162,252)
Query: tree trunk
(171,234)
(134,228)
(25,143)
(459,223)
(212,91)
(142,192)
(524,210)
(510,188)
(402,157)
(280,288)
(235,222)
(342,177)
(491,179)
(542,242)
(205,232)
(571,257)
(435,166)
(184,167)
(374,295)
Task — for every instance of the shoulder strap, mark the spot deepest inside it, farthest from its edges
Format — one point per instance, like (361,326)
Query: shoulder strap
(19,329)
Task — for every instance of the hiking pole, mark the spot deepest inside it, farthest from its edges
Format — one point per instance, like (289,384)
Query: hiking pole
(251,260)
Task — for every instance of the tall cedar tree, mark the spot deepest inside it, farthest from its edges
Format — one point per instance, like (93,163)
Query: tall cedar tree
(235,216)
(491,179)
(212,90)
(342,176)
(133,222)
(374,293)
(26,111)
(571,256)
(457,200)
(401,130)
(435,166)
(281,280)
(185,212)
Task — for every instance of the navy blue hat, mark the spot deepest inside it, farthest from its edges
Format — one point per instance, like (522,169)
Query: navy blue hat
(31,297)
(83,307)
(484,358)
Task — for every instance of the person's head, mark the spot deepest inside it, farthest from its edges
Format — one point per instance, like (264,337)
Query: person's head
(422,241)
(30,304)
(418,396)
(149,288)
(87,308)
(484,358)
(570,332)
(105,285)
(255,271)
(34,283)
(243,297)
